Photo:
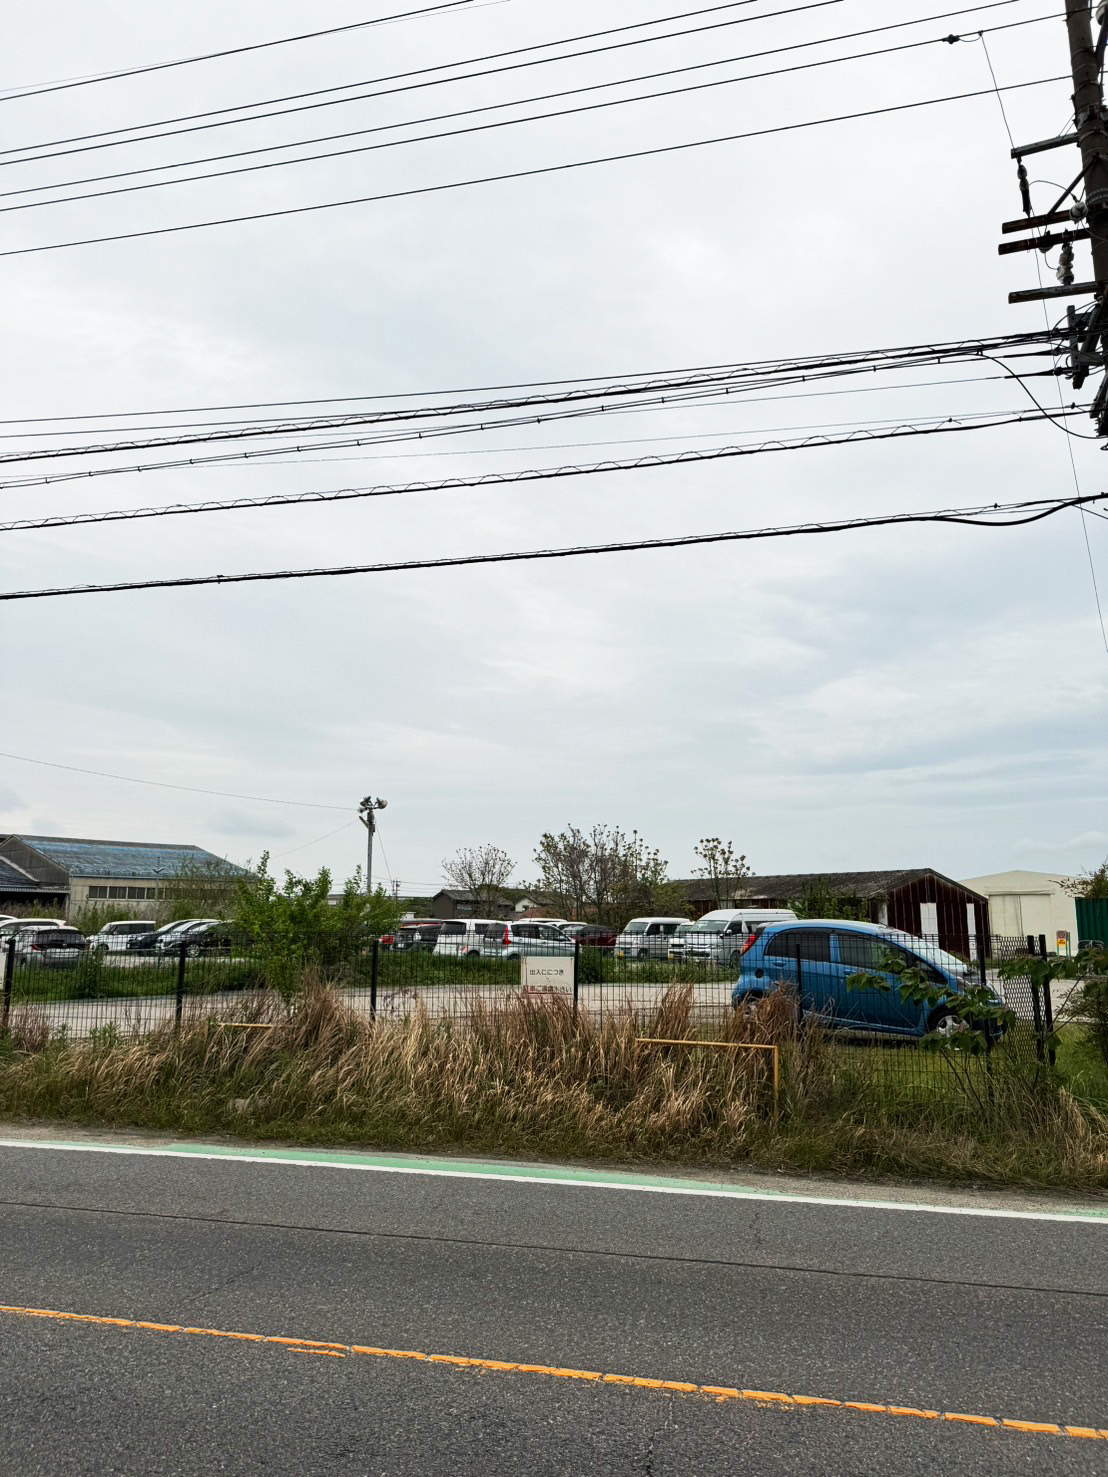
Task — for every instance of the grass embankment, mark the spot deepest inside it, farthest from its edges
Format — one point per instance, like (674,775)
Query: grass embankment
(527,1079)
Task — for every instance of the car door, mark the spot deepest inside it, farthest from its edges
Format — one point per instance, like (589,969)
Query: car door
(553,941)
(874,1007)
(801,957)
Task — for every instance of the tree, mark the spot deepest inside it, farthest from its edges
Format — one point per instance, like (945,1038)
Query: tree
(296,924)
(605,876)
(203,888)
(1092,883)
(722,868)
(482,871)
(821,901)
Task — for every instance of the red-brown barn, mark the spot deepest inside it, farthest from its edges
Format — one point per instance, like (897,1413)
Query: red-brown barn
(920,901)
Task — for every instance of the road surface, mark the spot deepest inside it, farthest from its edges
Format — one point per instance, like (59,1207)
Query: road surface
(166,1312)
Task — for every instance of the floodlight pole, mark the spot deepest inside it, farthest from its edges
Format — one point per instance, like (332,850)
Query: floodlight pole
(366,816)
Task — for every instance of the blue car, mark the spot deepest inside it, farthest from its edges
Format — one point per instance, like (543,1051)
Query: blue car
(818,956)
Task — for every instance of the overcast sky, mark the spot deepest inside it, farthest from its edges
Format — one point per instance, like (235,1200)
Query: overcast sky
(900,697)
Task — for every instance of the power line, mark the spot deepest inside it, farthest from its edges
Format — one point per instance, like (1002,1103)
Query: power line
(164,785)
(515,174)
(663,387)
(982,517)
(709,397)
(977,379)
(325,837)
(483,108)
(188,61)
(981,344)
(149,137)
(948,425)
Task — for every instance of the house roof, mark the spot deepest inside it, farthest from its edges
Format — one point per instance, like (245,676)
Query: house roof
(465,895)
(84,857)
(788,885)
(14,879)
(843,884)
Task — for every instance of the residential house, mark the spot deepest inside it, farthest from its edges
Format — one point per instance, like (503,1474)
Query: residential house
(457,902)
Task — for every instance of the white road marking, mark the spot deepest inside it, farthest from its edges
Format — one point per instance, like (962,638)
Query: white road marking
(570,1179)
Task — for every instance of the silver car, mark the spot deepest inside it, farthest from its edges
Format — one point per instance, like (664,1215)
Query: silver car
(514,940)
(49,948)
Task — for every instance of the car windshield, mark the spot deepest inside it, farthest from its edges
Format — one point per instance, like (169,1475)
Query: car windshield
(711,925)
(931,952)
(637,925)
(684,928)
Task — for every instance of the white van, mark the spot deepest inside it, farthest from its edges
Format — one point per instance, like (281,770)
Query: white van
(462,937)
(723,936)
(647,938)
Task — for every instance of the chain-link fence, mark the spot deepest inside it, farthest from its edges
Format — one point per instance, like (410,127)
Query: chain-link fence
(72,989)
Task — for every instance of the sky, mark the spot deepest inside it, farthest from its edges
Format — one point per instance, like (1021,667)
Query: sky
(899,697)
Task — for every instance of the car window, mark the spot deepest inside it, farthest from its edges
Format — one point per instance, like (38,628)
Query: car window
(801,943)
(862,950)
(525,931)
(453,928)
(57,938)
(550,932)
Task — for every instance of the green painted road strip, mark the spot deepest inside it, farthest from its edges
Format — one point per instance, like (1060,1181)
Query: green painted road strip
(551,1175)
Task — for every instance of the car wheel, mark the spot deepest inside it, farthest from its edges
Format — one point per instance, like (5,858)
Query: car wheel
(944,1022)
(735,956)
(193,951)
(643,954)
(101,950)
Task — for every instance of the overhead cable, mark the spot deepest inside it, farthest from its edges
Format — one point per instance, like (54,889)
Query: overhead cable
(981,345)
(207,56)
(37,152)
(980,421)
(661,389)
(533,173)
(991,515)
(470,112)
(165,785)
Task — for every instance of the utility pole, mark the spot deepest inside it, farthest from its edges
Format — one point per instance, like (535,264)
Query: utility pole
(1092,137)
(366,816)
(1085,217)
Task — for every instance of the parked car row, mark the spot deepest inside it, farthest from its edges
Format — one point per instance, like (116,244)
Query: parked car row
(49,941)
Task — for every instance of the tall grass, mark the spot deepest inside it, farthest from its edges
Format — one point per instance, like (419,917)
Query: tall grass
(528,1078)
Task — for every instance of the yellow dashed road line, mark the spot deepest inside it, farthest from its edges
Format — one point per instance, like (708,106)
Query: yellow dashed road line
(720,1393)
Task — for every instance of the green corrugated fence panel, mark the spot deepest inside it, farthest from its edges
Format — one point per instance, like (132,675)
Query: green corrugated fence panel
(1092,918)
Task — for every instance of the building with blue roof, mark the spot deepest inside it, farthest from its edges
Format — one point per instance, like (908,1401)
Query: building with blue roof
(73,870)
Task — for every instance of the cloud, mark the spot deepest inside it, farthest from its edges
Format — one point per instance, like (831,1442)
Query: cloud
(243,823)
(930,696)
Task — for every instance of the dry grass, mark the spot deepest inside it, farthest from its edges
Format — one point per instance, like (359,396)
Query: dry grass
(529,1078)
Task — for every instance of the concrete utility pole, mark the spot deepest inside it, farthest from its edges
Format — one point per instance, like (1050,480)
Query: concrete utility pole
(366,816)
(1092,136)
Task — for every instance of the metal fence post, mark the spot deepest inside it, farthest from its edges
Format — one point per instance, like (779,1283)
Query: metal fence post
(1036,1005)
(373,979)
(9,971)
(576,975)
(799,991)
(180,1005)
(1048,1003)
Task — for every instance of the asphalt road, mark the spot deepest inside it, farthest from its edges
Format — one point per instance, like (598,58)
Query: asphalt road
(995,1317)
